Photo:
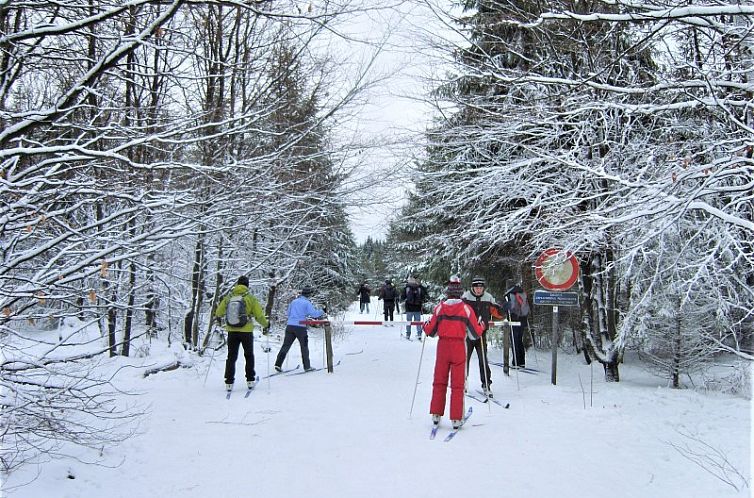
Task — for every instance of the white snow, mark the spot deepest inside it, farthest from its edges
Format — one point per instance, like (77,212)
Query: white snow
(349,433)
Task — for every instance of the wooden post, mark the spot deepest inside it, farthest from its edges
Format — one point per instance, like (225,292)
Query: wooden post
(328,347)
(555,340)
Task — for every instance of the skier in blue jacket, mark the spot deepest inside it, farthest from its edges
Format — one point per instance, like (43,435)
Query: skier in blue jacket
(299,310)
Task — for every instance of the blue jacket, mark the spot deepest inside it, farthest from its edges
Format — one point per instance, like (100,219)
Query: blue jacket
(300,309)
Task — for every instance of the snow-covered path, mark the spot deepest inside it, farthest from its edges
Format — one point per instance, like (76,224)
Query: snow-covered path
(349,434)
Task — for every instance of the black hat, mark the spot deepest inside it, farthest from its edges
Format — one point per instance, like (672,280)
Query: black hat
(243,280)
(454,290)
(307,291)
(478,280)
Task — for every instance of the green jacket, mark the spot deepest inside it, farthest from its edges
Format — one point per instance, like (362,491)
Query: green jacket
(253,308)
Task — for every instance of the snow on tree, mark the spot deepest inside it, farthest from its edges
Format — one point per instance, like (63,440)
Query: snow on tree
(595,128)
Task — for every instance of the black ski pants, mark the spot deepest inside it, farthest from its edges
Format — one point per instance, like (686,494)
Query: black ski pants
(484,362)
(388,308)
(517,344)
(236,339)
(293,332)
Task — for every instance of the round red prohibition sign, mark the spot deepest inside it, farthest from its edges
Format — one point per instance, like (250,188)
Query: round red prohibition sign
(556,270)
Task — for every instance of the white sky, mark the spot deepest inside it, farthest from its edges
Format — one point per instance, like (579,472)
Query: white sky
(394,112)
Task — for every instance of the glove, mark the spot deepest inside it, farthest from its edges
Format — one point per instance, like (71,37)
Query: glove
(266,331)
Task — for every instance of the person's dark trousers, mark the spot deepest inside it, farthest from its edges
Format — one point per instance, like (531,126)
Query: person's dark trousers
(389,308)
(236,339)
(519,351)
(293,332)
(484,366)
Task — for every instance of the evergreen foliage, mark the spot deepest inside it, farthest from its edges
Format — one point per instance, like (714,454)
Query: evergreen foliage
(574,126)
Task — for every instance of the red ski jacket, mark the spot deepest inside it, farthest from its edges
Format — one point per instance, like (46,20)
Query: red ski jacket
(458,321)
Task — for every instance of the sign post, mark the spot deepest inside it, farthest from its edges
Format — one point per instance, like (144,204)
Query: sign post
(554,348)
(556,271)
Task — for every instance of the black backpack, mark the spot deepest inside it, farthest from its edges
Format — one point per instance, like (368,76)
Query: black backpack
(413,295)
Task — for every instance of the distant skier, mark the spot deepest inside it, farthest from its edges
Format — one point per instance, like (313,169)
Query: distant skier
(517,305)
(237,306)
(364,294)
(413,297)
(388,294)
(299,310)
(452,321)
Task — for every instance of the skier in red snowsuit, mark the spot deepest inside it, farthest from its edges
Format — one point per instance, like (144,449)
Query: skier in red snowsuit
(452,320)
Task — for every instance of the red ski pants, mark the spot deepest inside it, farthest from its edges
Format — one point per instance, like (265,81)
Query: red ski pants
(449,364)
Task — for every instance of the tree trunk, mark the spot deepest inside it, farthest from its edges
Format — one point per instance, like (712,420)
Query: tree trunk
(188,321)
(80,308)
(601,333)
(611,371)
(150,307)
(112,320)
(128,320)
(191,328)
(677,347)
(271,295)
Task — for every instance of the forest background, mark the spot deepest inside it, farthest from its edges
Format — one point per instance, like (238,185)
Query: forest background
(152,151)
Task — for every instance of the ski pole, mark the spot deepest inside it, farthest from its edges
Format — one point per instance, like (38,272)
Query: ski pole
(400,330)
(466,378)
(416,384)
(531,336)
(484,364)
(513,347)
(267,351)
(209,367)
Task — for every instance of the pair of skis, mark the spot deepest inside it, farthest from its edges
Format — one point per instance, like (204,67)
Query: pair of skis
(452,433)
(307,371)
(484,399)
(311,369)
(412,340)
(248,390)
(290,371)
(528,370)
(282,372)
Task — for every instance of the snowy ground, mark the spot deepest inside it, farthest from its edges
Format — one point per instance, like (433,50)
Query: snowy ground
(349,434)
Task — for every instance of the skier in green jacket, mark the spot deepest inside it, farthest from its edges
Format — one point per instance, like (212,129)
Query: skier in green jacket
(237,307)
